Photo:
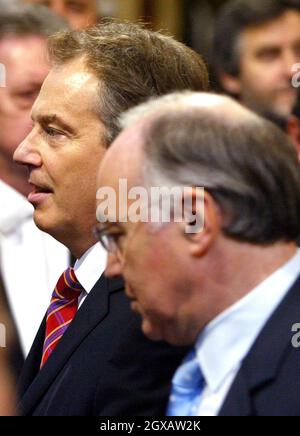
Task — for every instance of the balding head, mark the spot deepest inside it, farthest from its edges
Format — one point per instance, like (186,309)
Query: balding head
(218,106)
(251,206)
(211,141)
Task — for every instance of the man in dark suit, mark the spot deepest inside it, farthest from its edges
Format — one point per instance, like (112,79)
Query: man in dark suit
(227,266)
(101,364)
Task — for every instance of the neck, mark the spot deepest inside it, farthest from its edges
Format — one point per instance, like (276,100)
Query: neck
(78,241)
(239,268)
(78,250)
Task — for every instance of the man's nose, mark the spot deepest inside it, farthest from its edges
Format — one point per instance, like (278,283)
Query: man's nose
(27,153)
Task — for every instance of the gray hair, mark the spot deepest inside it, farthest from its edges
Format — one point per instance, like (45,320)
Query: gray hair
(24,20)
(245,162)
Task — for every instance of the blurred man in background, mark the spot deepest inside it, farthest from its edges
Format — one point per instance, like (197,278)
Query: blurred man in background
(7,376)
(29,259)
(257,42)
(78,13)
(7,391)
(230,288)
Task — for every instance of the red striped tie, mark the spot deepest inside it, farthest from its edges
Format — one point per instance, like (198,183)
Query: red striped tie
(62,309)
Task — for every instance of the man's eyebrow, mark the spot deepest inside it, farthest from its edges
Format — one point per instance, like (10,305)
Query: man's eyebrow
(49,119)
(268,47)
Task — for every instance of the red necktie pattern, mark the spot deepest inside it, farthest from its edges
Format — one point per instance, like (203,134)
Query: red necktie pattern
(62,309)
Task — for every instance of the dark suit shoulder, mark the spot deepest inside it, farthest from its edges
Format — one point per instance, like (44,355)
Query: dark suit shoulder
(268,383)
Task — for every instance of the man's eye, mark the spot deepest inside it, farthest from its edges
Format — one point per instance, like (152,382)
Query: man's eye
(115,236)
(25,100)
(49,131)
(268,55)
(29,95)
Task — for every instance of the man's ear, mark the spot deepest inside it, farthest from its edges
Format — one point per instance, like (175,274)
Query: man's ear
(205,220)
(230,84)
(293,128)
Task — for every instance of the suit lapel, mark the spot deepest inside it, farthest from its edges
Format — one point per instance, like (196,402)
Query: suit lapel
(262,363)
(87,318)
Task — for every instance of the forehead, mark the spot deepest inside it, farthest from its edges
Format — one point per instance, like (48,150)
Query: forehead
(24,58)
(69,90)
(282,30)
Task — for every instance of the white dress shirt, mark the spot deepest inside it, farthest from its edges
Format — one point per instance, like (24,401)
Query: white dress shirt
(226,341)
(31,262)
(89,268)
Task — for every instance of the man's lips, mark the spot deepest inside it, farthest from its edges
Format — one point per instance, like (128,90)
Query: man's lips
(39,192)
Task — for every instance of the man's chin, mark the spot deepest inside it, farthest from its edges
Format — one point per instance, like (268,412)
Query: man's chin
(42,221)
(151,331)
(280,105)
(284,106)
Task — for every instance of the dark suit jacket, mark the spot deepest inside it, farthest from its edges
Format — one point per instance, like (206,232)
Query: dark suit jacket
(268,383)
(103,364)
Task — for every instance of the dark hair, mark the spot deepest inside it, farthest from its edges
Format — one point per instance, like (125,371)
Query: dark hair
(29,20)
(132,64)
(248,166)
(234,18)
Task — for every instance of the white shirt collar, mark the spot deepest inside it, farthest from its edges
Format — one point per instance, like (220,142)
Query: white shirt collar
(90,266)
(17,209)
(234,331)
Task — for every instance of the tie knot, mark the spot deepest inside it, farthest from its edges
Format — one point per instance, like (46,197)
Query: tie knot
(187,386)
(68,287)
(189,376)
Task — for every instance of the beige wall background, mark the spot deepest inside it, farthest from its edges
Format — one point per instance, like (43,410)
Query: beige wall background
(163,14)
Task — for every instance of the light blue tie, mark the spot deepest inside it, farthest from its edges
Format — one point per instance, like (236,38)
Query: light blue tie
(187,386)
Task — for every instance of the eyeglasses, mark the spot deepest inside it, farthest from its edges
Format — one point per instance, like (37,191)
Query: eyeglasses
(110,241)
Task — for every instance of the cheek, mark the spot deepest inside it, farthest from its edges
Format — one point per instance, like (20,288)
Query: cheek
(261,76)
(139,264)
(12,132)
